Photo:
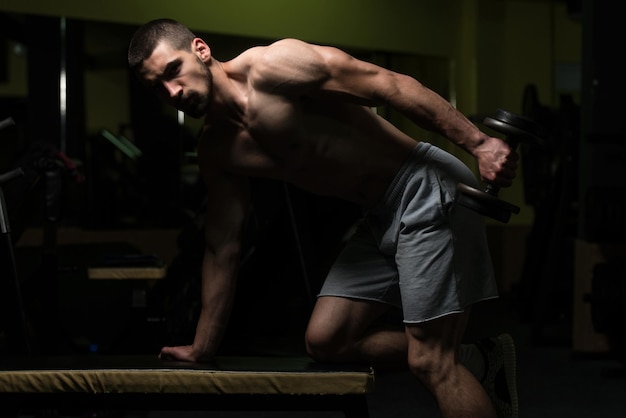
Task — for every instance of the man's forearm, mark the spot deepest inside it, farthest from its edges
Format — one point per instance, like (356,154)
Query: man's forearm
(209,335)
(431,111)
(219,276)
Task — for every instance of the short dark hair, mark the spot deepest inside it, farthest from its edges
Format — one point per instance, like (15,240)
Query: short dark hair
(148,36)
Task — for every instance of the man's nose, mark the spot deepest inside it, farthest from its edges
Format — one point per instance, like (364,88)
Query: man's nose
(173,89)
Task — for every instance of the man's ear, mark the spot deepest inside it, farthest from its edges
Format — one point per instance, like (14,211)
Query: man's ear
(201,49)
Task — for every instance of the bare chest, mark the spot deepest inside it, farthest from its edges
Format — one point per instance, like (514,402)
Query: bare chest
(322,147)
(264,144)
(273,137)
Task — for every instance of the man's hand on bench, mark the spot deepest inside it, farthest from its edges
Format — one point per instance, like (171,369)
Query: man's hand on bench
(182,353)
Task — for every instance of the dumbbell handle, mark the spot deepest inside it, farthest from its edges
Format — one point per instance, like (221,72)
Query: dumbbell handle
(491,188)
(513,136)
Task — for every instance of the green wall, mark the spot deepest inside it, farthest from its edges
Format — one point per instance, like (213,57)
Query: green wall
(399,25)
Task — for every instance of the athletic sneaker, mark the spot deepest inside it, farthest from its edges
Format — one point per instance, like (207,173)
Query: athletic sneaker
(499,380)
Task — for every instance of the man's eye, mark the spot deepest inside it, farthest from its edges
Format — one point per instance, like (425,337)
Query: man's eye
(171,72)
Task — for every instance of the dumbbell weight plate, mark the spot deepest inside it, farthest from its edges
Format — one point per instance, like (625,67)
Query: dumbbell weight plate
(515,126)
(484,203)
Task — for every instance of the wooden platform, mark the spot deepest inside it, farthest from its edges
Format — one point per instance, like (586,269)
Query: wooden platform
(140,383)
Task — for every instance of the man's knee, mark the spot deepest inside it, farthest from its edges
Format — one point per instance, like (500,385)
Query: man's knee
(433,347)
(430,366)
(434,369)
(432,361)
(322,345)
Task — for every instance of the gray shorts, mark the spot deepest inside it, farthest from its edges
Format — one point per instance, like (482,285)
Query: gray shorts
(417,249)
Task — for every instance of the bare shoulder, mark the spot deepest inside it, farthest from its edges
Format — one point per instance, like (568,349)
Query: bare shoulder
(288,46)
(280,49)
(289,64)
(245,60)
(297,52)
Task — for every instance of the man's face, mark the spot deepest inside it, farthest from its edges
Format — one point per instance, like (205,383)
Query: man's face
(180,78)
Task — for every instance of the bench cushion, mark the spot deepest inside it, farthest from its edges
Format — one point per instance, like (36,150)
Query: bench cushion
(148,374)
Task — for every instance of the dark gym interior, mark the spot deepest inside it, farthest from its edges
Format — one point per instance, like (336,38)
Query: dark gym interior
(96,173)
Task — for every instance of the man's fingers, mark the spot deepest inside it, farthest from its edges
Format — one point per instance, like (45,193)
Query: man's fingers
(164,354)
(170,353)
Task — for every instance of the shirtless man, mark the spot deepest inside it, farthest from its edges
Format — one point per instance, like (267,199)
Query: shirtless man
(301,113)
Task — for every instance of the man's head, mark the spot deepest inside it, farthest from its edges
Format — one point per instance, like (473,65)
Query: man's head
(172,61)
(148,36)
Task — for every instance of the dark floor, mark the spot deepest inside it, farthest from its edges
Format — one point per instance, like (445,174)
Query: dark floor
(553,381)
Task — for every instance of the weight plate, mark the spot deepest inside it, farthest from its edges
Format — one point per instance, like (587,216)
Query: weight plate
(520,121)
(513,131)
(485,203)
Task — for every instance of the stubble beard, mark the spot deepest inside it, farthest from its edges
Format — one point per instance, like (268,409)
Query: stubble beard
(197,104)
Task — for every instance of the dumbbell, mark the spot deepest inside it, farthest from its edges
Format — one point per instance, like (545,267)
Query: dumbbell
(517,129)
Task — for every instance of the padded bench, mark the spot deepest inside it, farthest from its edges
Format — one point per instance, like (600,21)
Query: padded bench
(145,383)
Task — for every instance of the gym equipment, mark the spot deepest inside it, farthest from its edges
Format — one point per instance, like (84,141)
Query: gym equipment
(37,174)
(73,385)
(517,129)
(140,383)
(16,331)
